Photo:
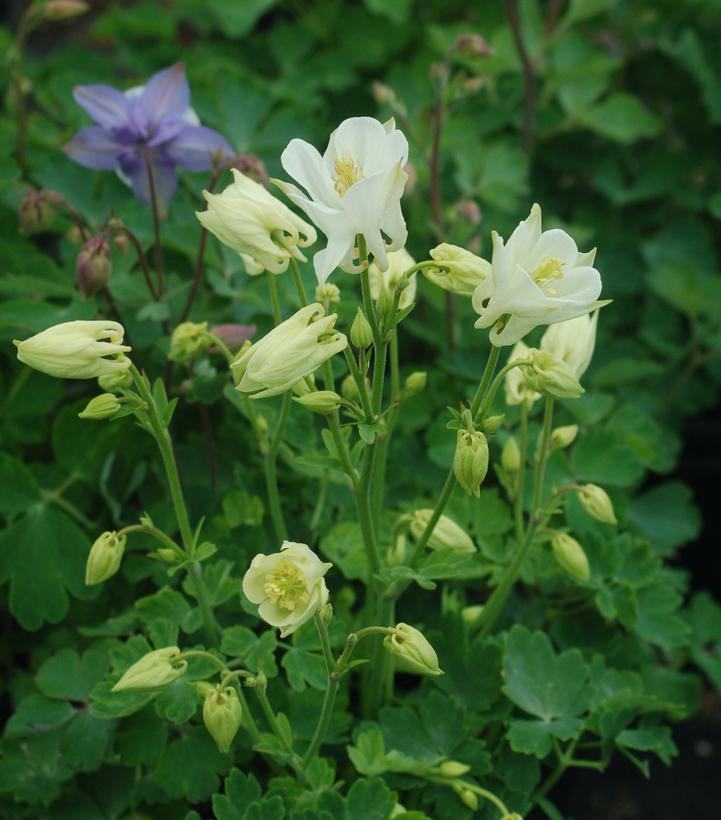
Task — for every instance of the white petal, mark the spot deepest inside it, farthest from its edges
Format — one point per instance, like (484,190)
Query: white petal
(340,246)
(302,161)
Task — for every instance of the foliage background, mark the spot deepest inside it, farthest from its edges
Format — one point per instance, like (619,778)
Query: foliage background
(622,150)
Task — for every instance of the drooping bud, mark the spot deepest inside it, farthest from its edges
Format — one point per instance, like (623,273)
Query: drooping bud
(551,376)
(564,436)
(493,423)
(469,798)
(104,558)
(361,333)
(412,651)
(115,382)
(327,294)
(101,407)
(93,265)
(457,269)
(57,10)
(121,243)
(37,211)
(570,555)
(511,456)
(446,534)
(470,463)
(472,44)
(222,715)
(188,340)
(597,504)
(154,670)
(416,382)
(471,614)
(324,402)
(453,768)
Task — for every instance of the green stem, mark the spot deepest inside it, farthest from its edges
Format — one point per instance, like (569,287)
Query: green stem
(155,208)
(208,656)
(270,463)
(247,717)
(488,371)
(494,606)
(493,389)
(298,282)
(554,777)
(360,384)
(273,287)
(521,477)
(326,711)
(385,438)
(70,508)
(270,716)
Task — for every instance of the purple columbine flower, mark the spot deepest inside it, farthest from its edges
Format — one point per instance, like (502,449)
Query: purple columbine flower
(153,123)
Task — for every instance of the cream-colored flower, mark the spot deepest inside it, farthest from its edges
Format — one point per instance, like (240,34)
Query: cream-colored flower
(76,350)
(537,278)
(288,586)
(573,342)
(384,283)
(289,353)
(154,670)
(412,651)
(551,376)
(259,227)
(514,385)
(446,534)
(354,188)
(458,270)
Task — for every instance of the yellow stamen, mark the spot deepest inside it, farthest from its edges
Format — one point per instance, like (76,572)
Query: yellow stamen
(550,269)
(347,173)
(286,586)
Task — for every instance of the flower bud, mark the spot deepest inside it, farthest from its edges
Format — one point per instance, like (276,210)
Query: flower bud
(188,340)
(328,294)
(416,382)
(412,651)
(326,613)
(597,504)
(222,715)
(493,423)
(570,555)
(170,556)
(101,407)
(233,335)
(154,670)
(457,269)
(469,799)
(470,464)
(361,333)
(469,210)
(452,768)
(115,382)
(349,389)
(551,376)
(471,614)
(473,45)
(446,534)
(324,402)
(511,456)
(93,265)
(121,242)
(104,558)
(564,436)
(37,211)
(57,10)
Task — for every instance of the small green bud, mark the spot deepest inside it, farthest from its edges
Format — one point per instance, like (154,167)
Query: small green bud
(104,558)
(551,376)
(493,423)
(222,715)
(470,464)
(511,456)
(188,340)
(446,534)
(416,382)
(101,407)
(349,389)
(412,651)
(166,554)
(361,333)
(320,401)
(326,613)
(37,211)
(116,381)
(564,436)
(469,799)
(471,614)
(570,555)
(597,504)
(452,768)
(398,810)
(327,293)
(153,671)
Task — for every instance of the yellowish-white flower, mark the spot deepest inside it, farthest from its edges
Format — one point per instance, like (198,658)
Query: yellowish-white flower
(288,586)
(551,376)
(76,350)
(514,385)
(446,534)
(537,278)
(256,225)
(154,670)
(412,651)
(289,353)
(458,270)
(573,342)
(384,283)
(354,188)
(104,558)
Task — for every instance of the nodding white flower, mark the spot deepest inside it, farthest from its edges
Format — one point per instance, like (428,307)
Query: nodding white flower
(354,188)
(538,278)
(573,342)
(256,225)
(412,651)
(457,269)
(288,586)
(384,283)
(76,350)
(289,353)
(515,387)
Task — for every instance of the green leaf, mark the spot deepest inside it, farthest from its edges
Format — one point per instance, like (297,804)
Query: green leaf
(178,702)
(369,800)
(68,677)
(239,791)
(255,652)
(141,738)
(667,516)
(190,767)
(649,738)
(86,741)
(601,458)
(303,667)
(343,545)
(238,19)
(18,488)
(165,603)
(621,118)
(35,714)
(659,621)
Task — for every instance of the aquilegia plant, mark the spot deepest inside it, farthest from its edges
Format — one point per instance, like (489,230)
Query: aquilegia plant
(480,716)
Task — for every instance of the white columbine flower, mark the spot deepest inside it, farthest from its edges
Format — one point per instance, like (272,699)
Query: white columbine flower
(516,389)
(251,221)
(76,350)
(354,188)
(573,342)
(288,586)
(289,353)
(538,278)
(383,283)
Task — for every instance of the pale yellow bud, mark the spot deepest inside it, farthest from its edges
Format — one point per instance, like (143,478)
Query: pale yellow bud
(471,614)
(222,714)
(469,799)
(327,294)
(361,333)
(470,463)
(104,558)
(511,456)
(551,376)
(597,504)
(412,652)
(564,436)
(153,671)
(457,269)
(188,340)
(570,555)
(452,768)
(446,534)
(416,382)
(493,423)
(101,407)
(320,401)
(115,382)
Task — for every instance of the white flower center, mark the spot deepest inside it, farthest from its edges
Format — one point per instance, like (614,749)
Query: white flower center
(347,173)
(286,586)
(550,269)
